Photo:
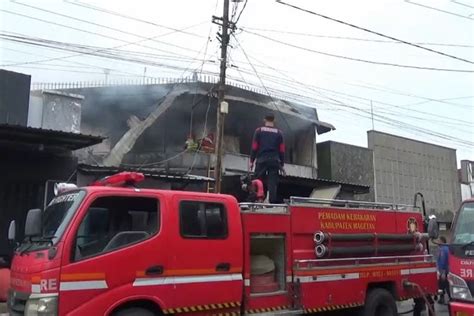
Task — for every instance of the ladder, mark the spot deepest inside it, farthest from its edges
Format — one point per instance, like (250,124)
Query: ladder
(211,173)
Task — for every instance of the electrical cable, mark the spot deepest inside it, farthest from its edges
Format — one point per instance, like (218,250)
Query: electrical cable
(358,59)
(122,15)
(263,85)
(439,10)
(101,25)
(136,43)
(463,4)
(409,126)
(289,79)
(375,32)
(240,14)
(100,52)
(352,38)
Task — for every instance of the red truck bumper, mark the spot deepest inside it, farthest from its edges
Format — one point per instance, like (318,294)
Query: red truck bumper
(461,309)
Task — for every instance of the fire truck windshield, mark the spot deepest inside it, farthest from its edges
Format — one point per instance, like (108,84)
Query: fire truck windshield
(56,217)
(464,229)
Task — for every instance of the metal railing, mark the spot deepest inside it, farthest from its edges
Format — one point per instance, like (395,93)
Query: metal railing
(353,204)
(264,208)
(141,81)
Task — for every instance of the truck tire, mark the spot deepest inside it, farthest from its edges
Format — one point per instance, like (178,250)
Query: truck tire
(379,302)
(135,311)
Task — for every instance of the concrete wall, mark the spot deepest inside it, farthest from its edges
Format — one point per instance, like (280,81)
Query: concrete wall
(404,166)
(346,163)
(14,97)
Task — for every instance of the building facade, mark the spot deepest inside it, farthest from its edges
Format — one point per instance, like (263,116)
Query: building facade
(405,166)
(148,126)
(347,163)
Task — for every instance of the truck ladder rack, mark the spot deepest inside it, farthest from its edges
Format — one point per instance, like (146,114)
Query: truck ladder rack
(351,204)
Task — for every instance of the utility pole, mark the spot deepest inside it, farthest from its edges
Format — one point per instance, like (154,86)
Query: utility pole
(222,106)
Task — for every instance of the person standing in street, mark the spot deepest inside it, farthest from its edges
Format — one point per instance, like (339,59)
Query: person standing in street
(443,269)
(268,150)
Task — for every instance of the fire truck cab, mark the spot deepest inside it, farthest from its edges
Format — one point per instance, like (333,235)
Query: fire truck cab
(110,249)
(461,261)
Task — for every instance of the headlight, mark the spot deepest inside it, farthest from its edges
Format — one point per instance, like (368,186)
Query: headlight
(459,288)
(42,306)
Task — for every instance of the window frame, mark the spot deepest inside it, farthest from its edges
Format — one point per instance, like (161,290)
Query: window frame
(205,237)
(91,202)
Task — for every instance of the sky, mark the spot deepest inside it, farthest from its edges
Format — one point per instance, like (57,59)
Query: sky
(278,49)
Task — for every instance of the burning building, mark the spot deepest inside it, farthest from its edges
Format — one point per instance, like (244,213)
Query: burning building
(168,128)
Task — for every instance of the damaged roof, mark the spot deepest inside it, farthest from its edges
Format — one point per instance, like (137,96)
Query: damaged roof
(148,172)
(17,135)
(345,186)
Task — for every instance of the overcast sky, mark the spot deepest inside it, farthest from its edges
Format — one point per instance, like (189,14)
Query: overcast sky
(288,49)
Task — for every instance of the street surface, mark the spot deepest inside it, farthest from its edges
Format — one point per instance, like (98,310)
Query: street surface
(441,310)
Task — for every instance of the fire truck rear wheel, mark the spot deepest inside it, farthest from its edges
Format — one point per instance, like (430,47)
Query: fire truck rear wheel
(135,311)
(379,302)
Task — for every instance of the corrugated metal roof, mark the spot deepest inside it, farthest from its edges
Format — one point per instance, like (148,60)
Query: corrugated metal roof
(18,134)
(345,186)
(148,172)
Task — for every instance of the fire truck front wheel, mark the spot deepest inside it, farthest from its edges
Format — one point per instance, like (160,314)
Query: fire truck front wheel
(134,311)
(379,302)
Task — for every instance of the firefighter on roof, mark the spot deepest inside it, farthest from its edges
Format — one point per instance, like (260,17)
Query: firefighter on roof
(268,149)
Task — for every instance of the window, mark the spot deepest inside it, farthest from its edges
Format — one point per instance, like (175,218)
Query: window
(203,220)
(113,222)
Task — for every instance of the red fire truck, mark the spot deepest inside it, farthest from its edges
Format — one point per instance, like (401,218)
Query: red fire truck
(115,249)
(461,261)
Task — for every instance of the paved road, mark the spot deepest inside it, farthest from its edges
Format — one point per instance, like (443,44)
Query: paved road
(441,310)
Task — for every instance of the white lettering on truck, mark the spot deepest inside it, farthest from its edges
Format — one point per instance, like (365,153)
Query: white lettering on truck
(466,273)
(48,285)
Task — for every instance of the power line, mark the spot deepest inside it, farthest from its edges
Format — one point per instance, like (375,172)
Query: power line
(376,33)
(289,81)
(129,17)
(102,26)
(261,82)
(137,43)
(68,46)
(463,4)
(385,90)
(75,49)
(353,38)
(439,10)
(332,91)
(240,14)
(371,87)
(357,59)
(97,53)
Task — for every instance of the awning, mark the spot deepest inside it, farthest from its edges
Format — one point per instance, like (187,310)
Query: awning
(345,186)
(149,173)
(17,136)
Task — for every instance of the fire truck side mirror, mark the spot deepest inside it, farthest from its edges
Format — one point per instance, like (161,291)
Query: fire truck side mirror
(433,229)
(12,232)
(33,223)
